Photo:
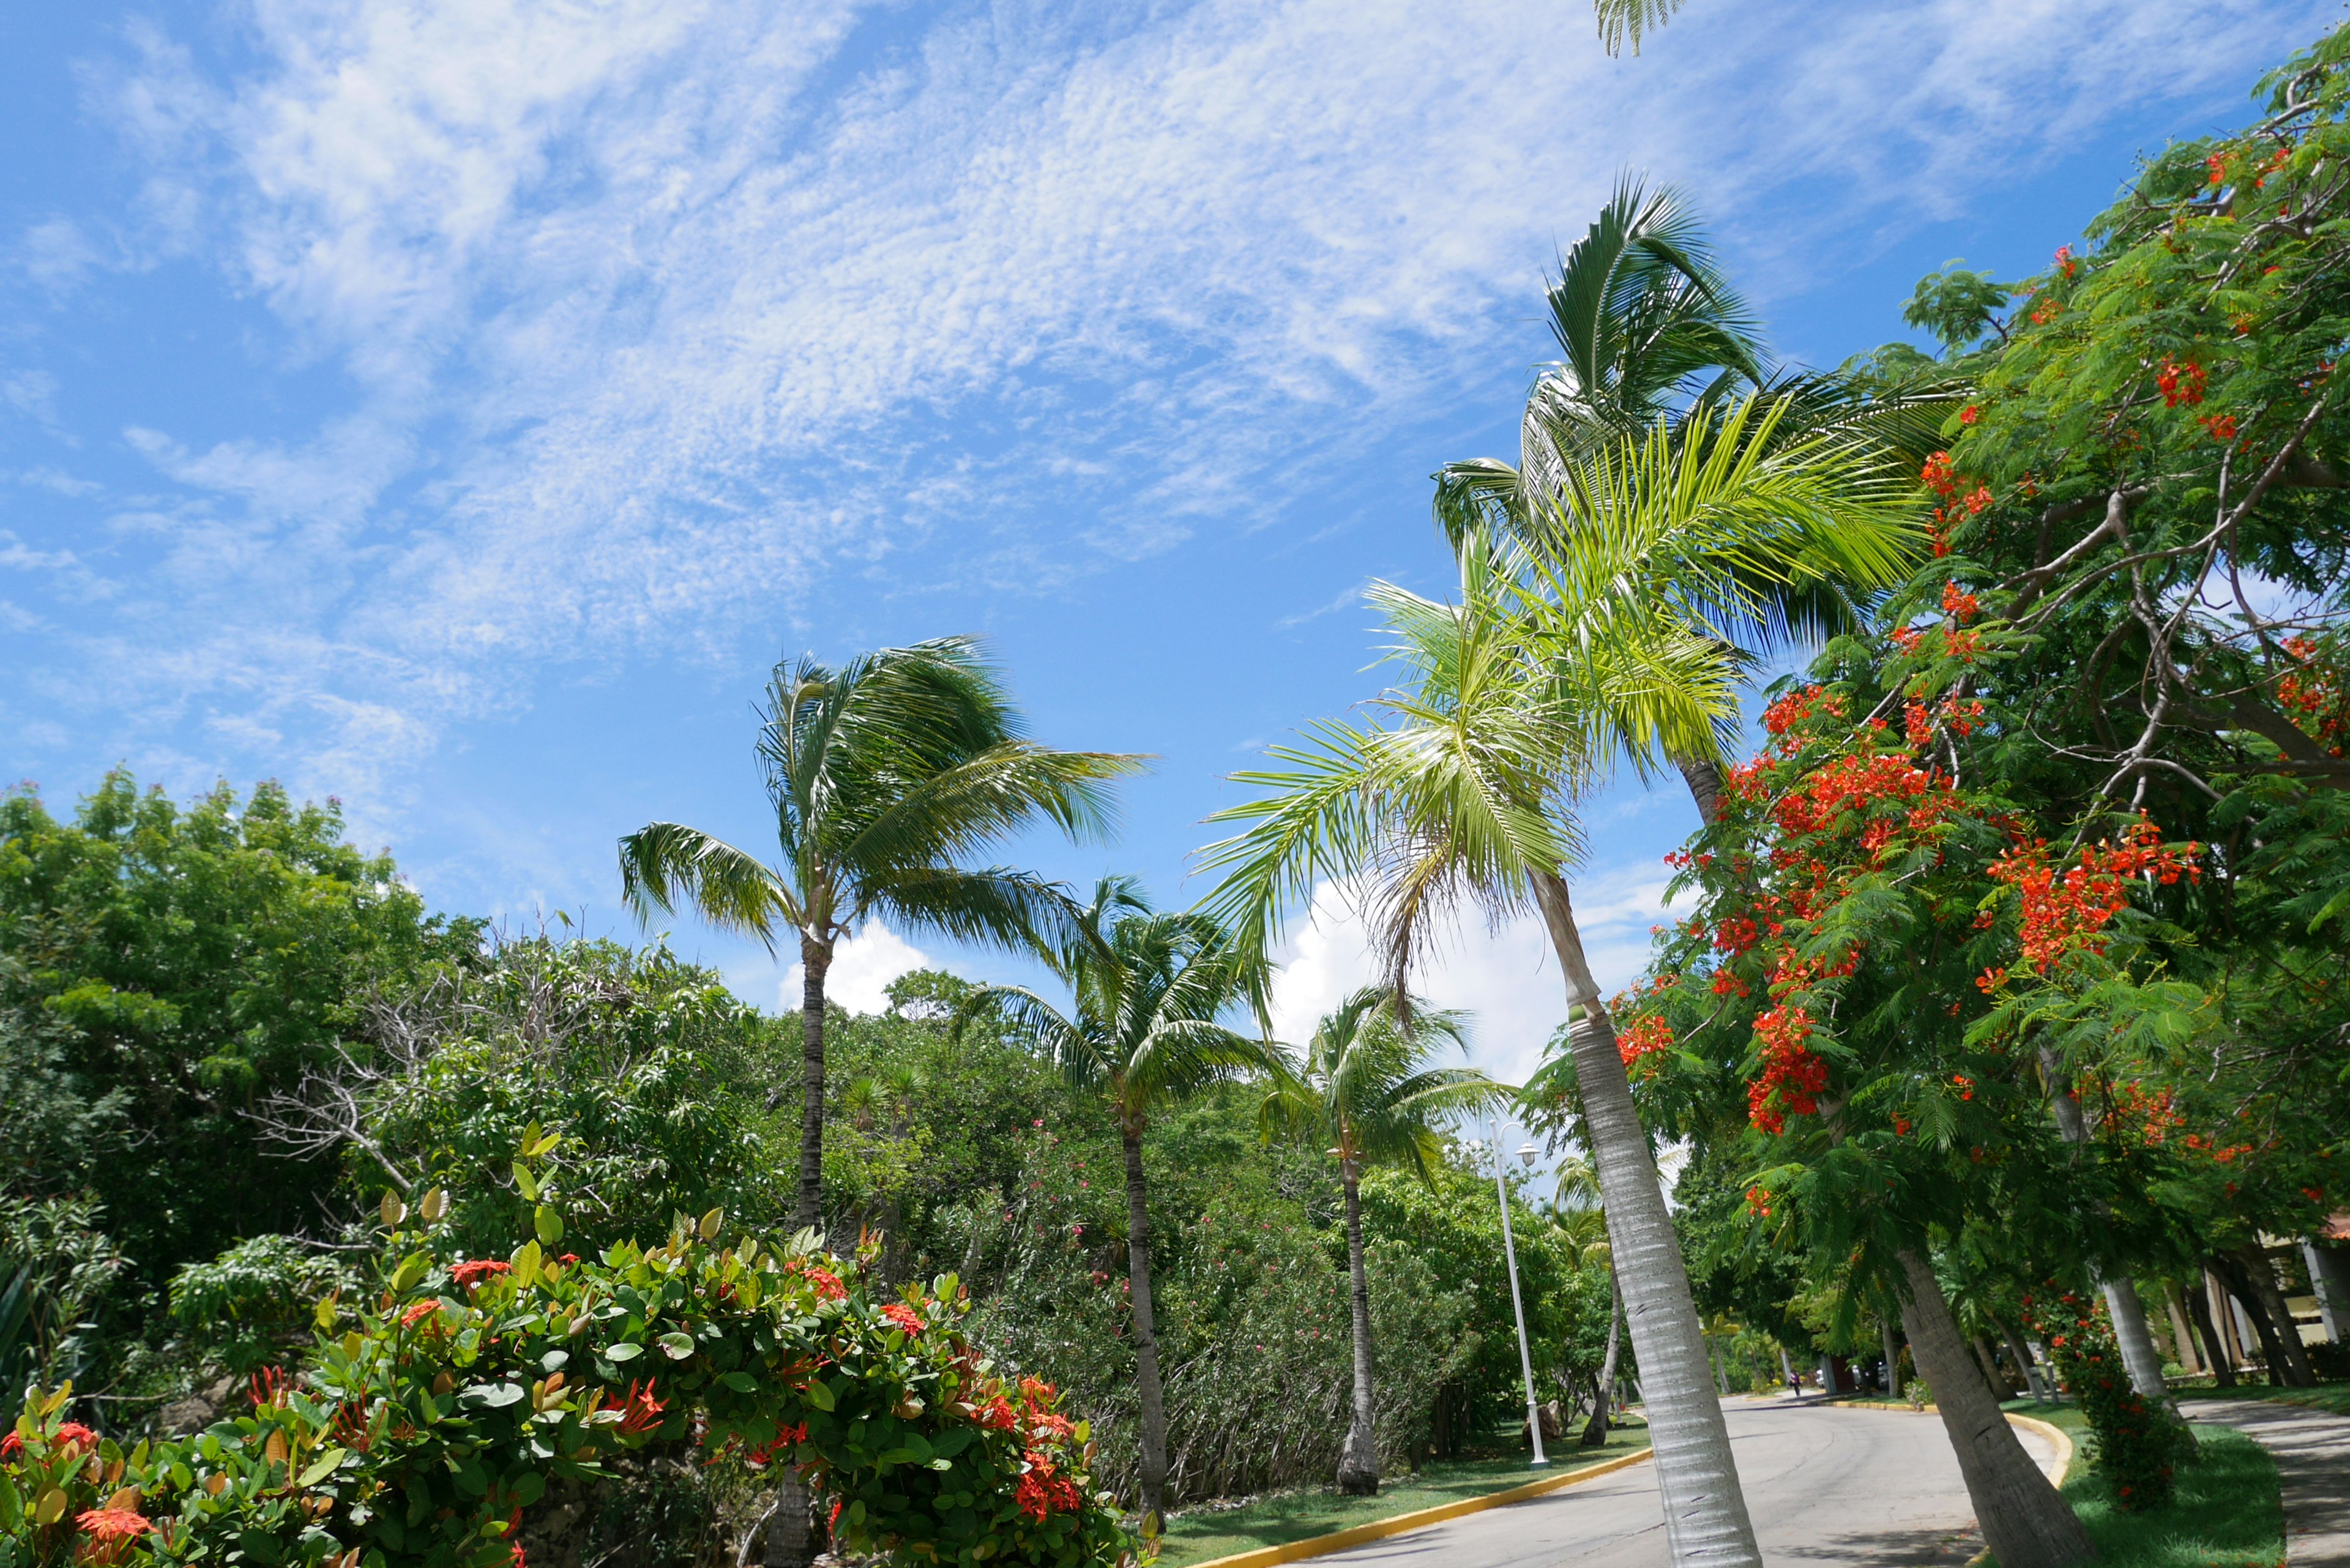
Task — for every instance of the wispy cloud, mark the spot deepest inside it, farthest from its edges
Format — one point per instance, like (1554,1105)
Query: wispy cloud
(643,317)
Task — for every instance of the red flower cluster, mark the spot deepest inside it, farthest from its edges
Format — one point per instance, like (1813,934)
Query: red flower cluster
(1645,1035)
(1792,1078)
(640,1411)
(2068,912)
(1857,782)
(1957,602)
(1939,476)
(829,1287)
(2065,263)
(2179,384)
(904,1316)
(783,1443)
(2221,427)
(1797,706)
(1041,1491)
(111,1529)
(2315,696)
(418,1314)
(472,1274)
(72,1438)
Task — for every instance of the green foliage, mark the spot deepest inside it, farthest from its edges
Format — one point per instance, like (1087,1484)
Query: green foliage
(1956,306)
(2140,1443)
(57,1270)
(422,1432)
(254,1303)
(164,970)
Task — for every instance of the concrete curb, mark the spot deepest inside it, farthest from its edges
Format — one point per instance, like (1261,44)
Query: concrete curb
(1379,1529)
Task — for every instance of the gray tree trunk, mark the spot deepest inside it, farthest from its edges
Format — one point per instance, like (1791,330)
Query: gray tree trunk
(2024,1521)
(816,963)
(2215,1345)
(1704,781)
(2189,1362)
(1705,1510)
(1359,1461)
(2023,1354)
(1147,1394)
(1993,1379)
(2246,1270)
(2143,1361)
(1892,1358)
(1595,1430)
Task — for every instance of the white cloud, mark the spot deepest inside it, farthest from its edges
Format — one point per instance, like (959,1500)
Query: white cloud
(648,314)
(863,965)
(1506,980)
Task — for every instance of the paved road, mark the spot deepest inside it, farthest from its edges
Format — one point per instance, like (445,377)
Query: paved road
(2312,1450)
(1826,1487)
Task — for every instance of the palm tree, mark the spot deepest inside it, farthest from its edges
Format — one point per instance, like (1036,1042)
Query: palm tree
(1656,344)
(1620,20)
(885,773)
(1367,1090)
(1463,794)
(1148,992)
(1578,1202)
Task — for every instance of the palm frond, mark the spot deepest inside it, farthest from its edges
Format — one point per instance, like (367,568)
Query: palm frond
(668,863)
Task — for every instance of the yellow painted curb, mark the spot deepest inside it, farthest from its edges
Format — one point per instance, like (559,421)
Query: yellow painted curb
(2055,1435)
(1379,1529)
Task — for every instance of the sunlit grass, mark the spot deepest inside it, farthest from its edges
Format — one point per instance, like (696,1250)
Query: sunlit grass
(2226,1511)
(1282,1517)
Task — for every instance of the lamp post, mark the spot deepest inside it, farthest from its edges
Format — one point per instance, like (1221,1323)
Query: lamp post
(1510,1250)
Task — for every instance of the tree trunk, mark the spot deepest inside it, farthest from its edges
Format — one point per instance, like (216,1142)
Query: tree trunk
(1720,1373)
(816,963)
(1704,780)
(2023,1354)
(2129,1318)
(2215,1347)
(1359,1461)
(1705,1510)
(2245,1271)
(2024,1521)
(1147,1394)
(2184,1336)
(1994,1378)
(1892,1359)
(1595,1430)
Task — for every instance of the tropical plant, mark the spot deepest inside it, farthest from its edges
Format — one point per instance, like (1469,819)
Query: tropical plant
(1367,1087)
(1147,994)
(434,1412)
(1580,1213)
(1625,21)
(1464,795)
(884,774)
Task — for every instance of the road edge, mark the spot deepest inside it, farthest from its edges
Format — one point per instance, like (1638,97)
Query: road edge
(1379,1529)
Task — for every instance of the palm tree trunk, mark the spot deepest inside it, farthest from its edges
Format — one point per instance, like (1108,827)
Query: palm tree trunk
(2139,1357)
(1359,1461)
(1595,1430)
(2189,1362)
(815,962)
(1147,1395)
(2024,1521)
(2215,1348)
(1705,1510)
(1994,1378)
(2244,1271)
(2023,1354)
(1704,780)
(1892,1358)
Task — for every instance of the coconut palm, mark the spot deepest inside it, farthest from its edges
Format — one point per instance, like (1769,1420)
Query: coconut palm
(1461,791)
(1147,993)
(1656,344)
(1578,1202)
(885,773)
(1626,20)
(1368,1089)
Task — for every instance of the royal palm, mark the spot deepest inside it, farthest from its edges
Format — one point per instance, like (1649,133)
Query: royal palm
(1148,994)
(886,774)
(1367,1088)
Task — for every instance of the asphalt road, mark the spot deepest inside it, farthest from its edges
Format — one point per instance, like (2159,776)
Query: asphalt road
(1825,1487)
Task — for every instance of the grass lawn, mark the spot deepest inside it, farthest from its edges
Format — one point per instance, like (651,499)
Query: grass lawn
(1206,1532)
(2225,1512)
(2331,1396)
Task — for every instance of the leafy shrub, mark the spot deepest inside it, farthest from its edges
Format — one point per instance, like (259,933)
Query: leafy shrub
(252,1304)
(424,1431)
(2139,1445)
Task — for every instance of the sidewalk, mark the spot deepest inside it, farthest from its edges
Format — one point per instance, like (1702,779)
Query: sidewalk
(2312,1450)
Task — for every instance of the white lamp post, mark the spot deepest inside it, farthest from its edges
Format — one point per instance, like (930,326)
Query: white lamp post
(1510,1250)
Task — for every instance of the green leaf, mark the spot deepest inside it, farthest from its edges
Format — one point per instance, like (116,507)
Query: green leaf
(524,1182)
(547,1223)
(676,1345)
(741,1382)
(819,1394)
(623,1352)
(321,1468)
(494,1396)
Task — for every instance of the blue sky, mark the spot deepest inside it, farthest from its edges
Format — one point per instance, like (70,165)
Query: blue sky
(455,408)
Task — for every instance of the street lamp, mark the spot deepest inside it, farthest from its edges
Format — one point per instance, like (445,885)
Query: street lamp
(1510,1250)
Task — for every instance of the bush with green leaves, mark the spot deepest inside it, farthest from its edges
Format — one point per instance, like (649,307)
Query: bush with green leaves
(432,1416)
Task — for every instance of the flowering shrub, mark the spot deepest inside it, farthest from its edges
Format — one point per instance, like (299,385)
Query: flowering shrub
(2138,1444)
(429,1418)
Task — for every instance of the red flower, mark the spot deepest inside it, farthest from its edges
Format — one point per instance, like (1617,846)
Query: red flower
(1969,414)
(110,1531)
(2179,384)
(641,1412)
(418,1314)
(1957,602)
(2222,427)
(472,1274)
(904,1316)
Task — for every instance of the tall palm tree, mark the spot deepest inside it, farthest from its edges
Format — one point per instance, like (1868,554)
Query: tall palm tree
(1623,20)
(1368,1089)
(1656,344)
(885,773)
(1148,993)
(1463,793)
